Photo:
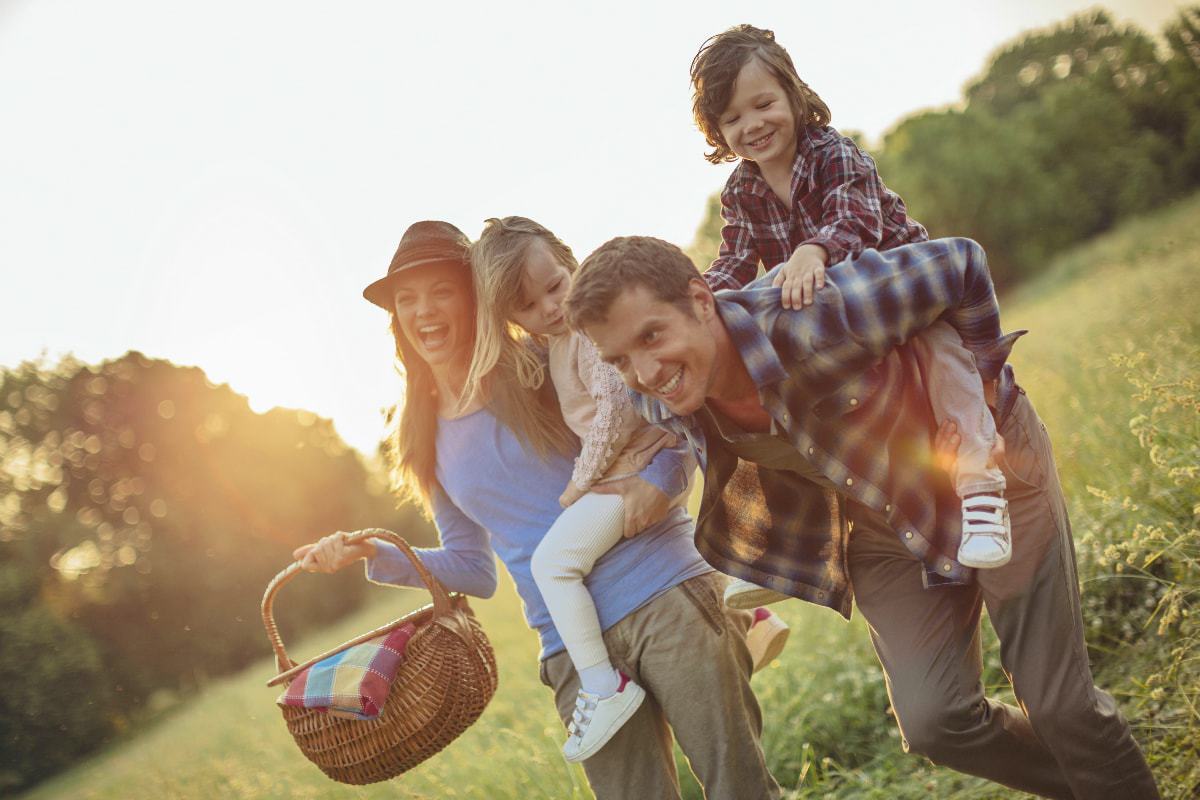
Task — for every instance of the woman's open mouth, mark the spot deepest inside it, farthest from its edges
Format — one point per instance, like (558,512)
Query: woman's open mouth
(433,337)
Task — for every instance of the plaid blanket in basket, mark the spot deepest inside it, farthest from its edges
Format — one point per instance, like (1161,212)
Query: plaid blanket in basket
(353,683)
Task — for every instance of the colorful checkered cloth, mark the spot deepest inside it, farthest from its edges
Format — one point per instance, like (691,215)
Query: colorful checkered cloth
(353,683)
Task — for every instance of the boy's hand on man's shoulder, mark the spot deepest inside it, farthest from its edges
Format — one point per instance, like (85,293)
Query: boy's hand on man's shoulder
(802,276)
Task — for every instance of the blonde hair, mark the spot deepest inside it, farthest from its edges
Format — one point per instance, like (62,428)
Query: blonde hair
(531,413)
(498,266)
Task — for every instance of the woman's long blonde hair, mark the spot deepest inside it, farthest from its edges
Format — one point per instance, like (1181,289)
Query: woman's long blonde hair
(498,267)
(529,410)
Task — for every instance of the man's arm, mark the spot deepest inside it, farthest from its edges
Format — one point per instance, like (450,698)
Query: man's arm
(878,301)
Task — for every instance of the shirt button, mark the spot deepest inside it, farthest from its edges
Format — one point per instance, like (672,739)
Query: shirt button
(946,567)
(888,507)
(786,416)
(811,450)
(908,534)
(849,481)
(853,401)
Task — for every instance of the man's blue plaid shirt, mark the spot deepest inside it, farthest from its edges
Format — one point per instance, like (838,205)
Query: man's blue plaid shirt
(843,389)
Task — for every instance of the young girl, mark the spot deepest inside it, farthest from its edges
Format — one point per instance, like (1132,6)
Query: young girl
(806,197)
(522,274)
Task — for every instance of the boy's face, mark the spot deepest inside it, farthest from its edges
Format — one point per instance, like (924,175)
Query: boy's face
(659,349)
(759,123)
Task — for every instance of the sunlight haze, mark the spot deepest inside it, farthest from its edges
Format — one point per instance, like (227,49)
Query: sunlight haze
(215,183)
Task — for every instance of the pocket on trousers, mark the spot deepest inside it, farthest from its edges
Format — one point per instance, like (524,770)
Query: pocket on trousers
(1022,450)
(704,594)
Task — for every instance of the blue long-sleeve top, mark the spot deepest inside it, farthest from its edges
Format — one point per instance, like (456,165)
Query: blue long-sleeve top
(498,498)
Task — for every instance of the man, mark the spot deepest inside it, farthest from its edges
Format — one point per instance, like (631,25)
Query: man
(813,423)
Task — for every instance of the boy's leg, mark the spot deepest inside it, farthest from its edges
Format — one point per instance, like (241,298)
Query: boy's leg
(1033,603)
(585,530)
(690,654)
(956,395)
(928,643)
(638,761)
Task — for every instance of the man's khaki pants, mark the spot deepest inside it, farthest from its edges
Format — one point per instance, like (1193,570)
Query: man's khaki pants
(689,653)
(1068,739)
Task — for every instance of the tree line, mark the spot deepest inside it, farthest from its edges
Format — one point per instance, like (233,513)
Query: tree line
(142,512)
(1066,131)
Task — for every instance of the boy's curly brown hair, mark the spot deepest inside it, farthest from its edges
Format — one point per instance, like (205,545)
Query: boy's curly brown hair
(715,69)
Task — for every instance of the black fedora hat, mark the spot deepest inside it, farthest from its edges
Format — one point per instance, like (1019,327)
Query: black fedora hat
(427,242)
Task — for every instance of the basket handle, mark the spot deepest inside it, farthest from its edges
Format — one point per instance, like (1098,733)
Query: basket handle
(441,600)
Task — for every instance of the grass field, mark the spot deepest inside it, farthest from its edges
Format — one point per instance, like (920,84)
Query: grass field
(1133,294)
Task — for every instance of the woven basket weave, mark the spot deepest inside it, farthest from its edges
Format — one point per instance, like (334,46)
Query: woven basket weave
(445,680)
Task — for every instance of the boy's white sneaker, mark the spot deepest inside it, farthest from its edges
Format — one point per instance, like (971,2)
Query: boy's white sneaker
(986,532)
(597,719)
(766,638)
(744,595)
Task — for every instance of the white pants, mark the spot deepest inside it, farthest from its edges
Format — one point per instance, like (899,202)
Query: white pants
(956,395)
(582,533)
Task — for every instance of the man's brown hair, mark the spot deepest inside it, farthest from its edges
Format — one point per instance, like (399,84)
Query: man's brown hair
(715,69)
(623,263)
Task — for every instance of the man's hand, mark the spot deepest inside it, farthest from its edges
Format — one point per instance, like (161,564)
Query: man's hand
(332,553)
(802,276)
(946,442)
(645,503)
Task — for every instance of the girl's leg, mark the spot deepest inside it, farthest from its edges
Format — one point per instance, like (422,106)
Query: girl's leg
(582,533)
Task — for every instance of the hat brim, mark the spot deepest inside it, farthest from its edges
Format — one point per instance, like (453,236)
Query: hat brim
(381,291)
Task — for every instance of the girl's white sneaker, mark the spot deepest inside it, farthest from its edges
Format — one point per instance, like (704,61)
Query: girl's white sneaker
(597,719)
(986,532)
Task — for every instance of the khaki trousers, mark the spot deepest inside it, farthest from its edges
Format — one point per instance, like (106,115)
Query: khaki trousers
(689,653)
(1068,739)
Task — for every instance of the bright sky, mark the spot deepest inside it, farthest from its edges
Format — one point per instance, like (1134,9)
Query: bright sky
(214,183)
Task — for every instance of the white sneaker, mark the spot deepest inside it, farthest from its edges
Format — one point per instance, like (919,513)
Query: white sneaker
(597,719)
(744,595)
(987,532)
(766,638)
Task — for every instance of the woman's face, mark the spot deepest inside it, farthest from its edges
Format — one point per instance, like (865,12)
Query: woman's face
(435,311)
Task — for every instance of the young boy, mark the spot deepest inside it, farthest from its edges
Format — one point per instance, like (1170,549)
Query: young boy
(804,198)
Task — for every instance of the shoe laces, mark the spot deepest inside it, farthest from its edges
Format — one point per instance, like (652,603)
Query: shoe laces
(983,515)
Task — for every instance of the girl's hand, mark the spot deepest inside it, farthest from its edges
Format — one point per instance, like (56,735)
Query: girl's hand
(332,553)
(645,504)
(570,495)
(802,276)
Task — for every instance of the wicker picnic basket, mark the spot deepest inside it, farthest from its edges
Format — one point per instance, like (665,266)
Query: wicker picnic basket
(444,682)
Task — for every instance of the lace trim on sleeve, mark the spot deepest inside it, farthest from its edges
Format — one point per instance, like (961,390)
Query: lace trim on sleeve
(614,422)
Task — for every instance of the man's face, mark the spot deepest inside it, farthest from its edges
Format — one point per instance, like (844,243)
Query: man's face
(659,349)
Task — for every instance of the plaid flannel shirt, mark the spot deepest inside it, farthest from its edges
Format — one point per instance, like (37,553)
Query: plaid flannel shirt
(841,387)
(838,202)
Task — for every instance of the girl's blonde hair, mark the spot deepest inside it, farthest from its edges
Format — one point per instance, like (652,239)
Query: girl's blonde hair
(530,412)
(498,266)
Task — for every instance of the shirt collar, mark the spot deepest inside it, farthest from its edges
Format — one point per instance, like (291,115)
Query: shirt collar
(749,177)
(755,349)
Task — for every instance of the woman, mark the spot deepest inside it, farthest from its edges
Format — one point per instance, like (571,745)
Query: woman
(491,474)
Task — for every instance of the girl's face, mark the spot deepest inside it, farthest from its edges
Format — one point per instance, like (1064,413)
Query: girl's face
(435,311)
(544,285)
(759,123)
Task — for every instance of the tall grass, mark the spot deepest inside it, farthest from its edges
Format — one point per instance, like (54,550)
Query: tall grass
(1112,365)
